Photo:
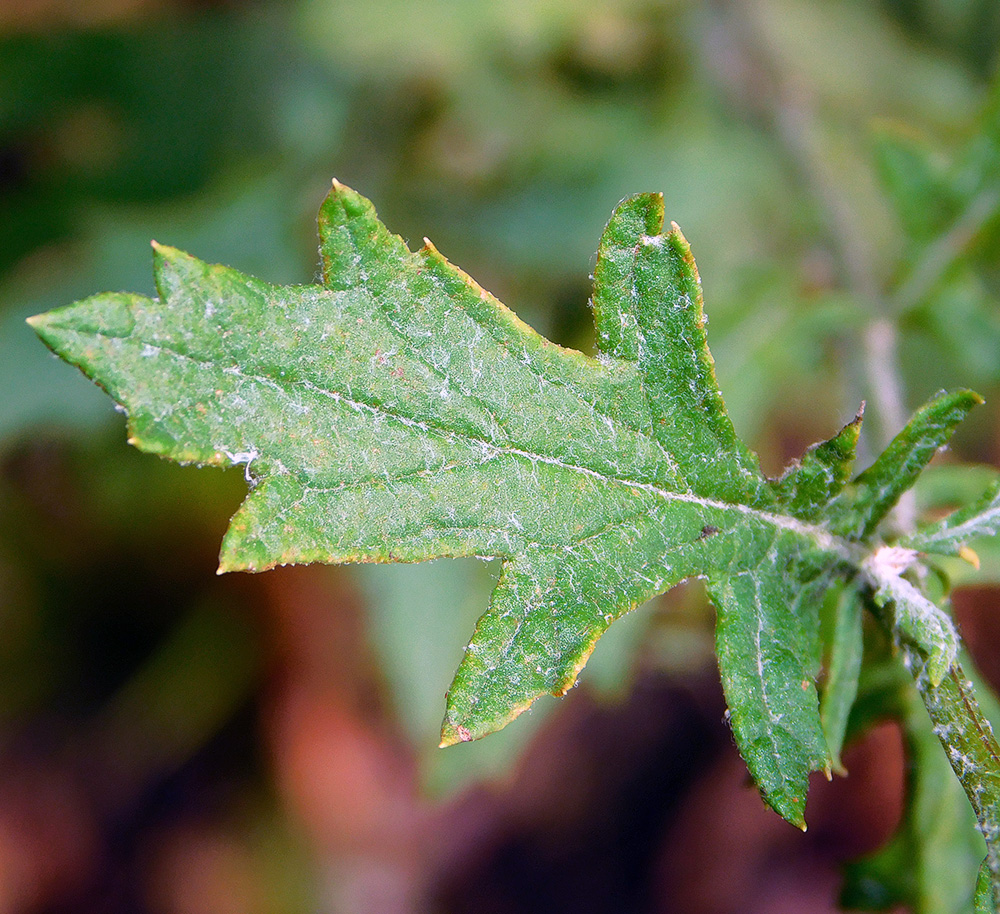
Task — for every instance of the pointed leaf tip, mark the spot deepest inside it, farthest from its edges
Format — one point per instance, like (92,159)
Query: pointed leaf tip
(453,735)
(808,485)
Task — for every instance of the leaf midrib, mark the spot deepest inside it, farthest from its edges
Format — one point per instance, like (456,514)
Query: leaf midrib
(819,535)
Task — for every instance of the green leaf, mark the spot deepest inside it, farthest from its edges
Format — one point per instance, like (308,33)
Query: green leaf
(868,499)
(970,747)
(983,901)
(917,621)
(951,216)
(915,182)
(399,412)
(951,534)
(940,491)
(844,650)
(760,643)
(809,484)
(946,486)
(614,276)
(688,415)
(976,175)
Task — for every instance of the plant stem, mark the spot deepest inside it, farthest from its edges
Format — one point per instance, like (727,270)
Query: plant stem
(972,750)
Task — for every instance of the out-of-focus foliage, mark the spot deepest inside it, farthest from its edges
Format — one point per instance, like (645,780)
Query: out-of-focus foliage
(216,128)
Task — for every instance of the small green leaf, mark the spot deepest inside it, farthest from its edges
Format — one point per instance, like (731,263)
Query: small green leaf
(809,484)
(843,666)
(984,901)
(948,536)
(870,497)
(916,620)
(971,750)
(940,491)
(946,486)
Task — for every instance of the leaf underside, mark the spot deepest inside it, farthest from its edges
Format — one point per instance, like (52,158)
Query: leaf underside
(399,412)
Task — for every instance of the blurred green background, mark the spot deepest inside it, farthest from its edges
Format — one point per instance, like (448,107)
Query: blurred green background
(171,741)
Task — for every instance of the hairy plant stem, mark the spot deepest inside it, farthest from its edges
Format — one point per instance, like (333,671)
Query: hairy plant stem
(972,751)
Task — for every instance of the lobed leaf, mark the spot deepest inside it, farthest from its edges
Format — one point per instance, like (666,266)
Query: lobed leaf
(399,412)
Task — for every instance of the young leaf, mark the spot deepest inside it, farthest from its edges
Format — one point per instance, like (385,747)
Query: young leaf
(809,484)
(842,664)
(917,620)
(971,749)
(868,499)
(950,535)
